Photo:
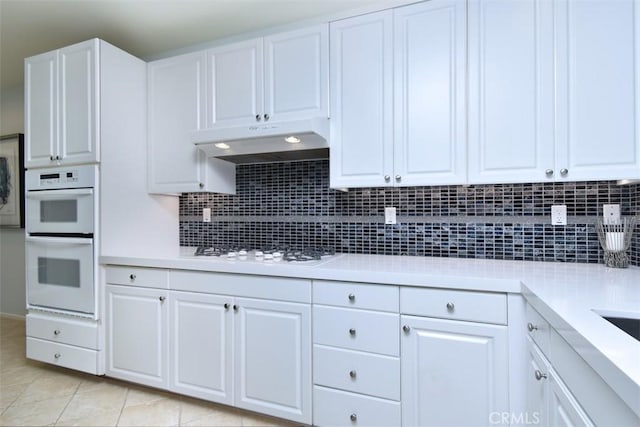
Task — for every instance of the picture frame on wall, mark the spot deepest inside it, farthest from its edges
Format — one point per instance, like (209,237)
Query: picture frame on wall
(12,181)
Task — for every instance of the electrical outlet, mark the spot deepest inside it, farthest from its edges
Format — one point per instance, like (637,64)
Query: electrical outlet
(206,215)
(559,214)
(389,215)
(611,214)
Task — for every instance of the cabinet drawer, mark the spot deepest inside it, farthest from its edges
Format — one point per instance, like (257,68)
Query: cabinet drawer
(356,295)
(537,328)
(67,356)
(456,305)
(64,330)
(137,276)
(341,408)
(357,329)
(366,373)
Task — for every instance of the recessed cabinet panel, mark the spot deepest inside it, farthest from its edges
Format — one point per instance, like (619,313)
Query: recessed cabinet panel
(510,91)
(361,101)
(429,75)
(598,56)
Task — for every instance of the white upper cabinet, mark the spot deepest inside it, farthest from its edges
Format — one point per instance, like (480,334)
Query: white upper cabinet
(598,99)
(279,77)
(176,107)
(398,97)
(554,90)
(361,126)
(61,104)
(429,96)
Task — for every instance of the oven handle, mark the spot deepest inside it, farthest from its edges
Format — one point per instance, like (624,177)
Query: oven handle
(63,241)
(59,194)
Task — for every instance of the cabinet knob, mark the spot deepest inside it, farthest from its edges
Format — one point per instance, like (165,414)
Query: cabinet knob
(352,332)
(564,171)
(549,172)
(52,158)
(353,417)
(352,374)
(56,332)
(266,117)
(398,177)
(226,306)
(162,299)
(132,277)
(406,328)
(58,157)
(450,306)
(258,117)
(352,297)
(387,178)
(201,184)
(57,355)
(540,375)
(531,327)
(235,307)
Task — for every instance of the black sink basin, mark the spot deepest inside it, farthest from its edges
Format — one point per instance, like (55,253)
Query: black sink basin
(628,325)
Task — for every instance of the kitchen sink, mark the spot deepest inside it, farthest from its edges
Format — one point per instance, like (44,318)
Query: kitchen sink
(629,325)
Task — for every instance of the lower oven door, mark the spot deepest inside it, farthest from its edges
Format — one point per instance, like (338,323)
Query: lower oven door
(60,274)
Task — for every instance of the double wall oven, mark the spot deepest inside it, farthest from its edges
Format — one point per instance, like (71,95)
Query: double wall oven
(61,259)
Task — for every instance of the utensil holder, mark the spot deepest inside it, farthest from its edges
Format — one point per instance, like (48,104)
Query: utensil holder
(615,239)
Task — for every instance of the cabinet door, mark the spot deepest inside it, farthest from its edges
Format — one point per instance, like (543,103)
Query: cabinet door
(136,334)
(273,356)
(201,353)
(176,107)
(79,129)
(296,68)
(511,91)
(598,126)
(361,76)
(41,109)
(453,373)
(235,84)
(430,79)
(564,410)
(537,385)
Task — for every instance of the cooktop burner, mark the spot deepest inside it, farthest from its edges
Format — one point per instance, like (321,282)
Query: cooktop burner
(275,253)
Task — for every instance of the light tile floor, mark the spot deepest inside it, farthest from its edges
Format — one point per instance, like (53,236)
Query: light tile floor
(33,393)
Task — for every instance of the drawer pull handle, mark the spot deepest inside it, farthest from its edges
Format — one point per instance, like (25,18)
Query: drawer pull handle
(226,306)
(162,299)
(352,297)
(57,355)
(56,332)
(132,277)
(540,375)
(353,418)
(531,327)
(450,306)
(352,332)
(406,328)
(352,374)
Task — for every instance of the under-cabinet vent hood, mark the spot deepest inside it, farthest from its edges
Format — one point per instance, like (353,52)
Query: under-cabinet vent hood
(266,142)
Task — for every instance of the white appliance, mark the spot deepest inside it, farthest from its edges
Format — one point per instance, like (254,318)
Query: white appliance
(61,261)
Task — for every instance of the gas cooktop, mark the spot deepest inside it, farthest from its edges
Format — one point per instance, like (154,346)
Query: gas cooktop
(309,255)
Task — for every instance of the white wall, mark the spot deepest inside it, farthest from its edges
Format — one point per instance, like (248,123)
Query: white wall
(12,292)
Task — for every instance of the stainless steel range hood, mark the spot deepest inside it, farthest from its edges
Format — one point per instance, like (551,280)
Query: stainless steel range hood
(266,142)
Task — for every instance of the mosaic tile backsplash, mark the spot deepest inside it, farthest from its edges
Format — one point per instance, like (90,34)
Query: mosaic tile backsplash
(291,204)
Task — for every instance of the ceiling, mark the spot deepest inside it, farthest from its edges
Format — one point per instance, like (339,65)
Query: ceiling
(144,28)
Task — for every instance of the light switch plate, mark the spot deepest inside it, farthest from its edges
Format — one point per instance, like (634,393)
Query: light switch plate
(389,215)
(559,214)
(206,215)
(611,214)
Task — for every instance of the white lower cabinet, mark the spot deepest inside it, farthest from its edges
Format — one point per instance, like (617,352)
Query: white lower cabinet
(136,328)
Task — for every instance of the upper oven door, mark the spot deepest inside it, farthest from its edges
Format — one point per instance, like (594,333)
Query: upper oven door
(60,211)
(60,273)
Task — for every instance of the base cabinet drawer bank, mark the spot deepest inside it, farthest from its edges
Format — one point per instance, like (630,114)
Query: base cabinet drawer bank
(194,336)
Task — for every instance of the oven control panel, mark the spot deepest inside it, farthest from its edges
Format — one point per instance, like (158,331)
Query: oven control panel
(81,176)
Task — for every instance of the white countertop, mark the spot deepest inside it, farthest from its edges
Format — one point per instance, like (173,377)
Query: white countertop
(565,294)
